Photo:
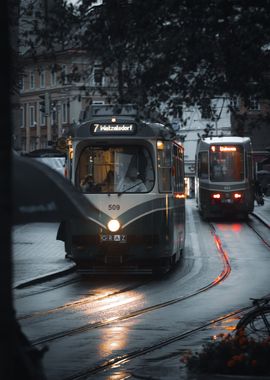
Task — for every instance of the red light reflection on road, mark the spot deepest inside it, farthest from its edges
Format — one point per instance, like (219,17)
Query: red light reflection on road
(227,267)
(235,227)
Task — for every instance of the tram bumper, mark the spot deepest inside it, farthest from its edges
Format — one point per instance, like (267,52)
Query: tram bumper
(227,206)
(120,249)
(143,243)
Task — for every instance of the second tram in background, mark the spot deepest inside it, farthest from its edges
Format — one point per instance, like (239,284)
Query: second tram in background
(224,183)
(132,173)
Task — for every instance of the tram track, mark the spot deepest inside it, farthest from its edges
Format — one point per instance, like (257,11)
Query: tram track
(81,302)
(262,234)
(139,312)
(126,357)
(122,359)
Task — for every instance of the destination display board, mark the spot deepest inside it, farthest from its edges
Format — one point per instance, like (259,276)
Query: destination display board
(113,129)
(224,148)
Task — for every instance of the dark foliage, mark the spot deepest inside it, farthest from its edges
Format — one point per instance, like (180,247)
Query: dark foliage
(234,355)
(169,51)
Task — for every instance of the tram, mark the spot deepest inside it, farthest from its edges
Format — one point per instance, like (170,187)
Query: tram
(132,174)
(224,182)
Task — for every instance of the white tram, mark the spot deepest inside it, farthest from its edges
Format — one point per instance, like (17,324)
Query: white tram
(132,173)
(224,183)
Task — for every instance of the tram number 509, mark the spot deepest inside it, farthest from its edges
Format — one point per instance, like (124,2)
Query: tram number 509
(113,207)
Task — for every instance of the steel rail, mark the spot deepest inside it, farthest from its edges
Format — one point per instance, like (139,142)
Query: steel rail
(90,326)
(122,359)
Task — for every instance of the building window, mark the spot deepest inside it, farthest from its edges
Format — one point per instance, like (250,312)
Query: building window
(64,74)
(32,144)
(98,102)
(21,84)
(235,103)
(254,104)
(32,118)
(205,108)
(22,117)
(42,118)
(65,112)
(98,76)
(42,78)
(53,78)
(32,80)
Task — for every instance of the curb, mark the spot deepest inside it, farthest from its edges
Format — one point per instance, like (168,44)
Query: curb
(44,278)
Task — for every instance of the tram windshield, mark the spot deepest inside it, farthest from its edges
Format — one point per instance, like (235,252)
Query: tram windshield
(115,169)
(226,163)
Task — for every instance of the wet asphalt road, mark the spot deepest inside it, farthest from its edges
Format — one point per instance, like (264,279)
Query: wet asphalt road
(85,302)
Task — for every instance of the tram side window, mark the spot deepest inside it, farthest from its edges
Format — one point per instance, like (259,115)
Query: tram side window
(249,167)
(203,165)
(164,168)
(178,170)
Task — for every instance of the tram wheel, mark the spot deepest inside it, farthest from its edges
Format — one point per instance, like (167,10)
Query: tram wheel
(204,215)
(245,216)
(161,267)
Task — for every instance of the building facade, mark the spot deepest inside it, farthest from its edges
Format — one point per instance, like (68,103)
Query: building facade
(53,94)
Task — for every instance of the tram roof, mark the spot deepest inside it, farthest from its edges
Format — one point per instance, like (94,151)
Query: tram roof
(226,140)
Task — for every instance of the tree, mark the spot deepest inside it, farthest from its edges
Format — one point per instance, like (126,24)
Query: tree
(170,52)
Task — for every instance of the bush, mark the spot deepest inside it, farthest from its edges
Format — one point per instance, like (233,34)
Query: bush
(232,354)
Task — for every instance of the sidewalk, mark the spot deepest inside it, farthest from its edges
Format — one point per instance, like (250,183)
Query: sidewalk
(264,211)
(37,253)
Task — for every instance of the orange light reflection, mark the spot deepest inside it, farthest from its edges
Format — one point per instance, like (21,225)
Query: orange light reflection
(226,326)
(114,338)
(116,303)
(119,375)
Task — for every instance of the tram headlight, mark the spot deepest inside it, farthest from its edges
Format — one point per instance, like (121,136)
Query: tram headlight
(160,145)
(113,225)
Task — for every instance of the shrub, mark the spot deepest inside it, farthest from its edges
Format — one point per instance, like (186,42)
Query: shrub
(232,354)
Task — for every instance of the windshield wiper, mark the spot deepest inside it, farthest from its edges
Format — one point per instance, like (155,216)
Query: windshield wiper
(129,188)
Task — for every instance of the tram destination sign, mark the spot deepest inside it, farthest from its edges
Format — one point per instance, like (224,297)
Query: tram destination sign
(113,128)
